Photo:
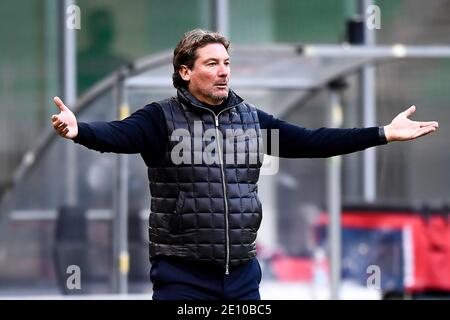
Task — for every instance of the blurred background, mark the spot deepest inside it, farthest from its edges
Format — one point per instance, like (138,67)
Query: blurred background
(370,225)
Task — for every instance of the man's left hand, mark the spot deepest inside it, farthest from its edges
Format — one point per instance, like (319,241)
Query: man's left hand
(402,128)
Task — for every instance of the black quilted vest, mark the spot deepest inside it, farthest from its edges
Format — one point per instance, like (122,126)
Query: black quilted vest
(206,207)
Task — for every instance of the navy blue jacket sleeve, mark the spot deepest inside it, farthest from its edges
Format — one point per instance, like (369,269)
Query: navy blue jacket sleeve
(145,132)
(142,132)
(299,142)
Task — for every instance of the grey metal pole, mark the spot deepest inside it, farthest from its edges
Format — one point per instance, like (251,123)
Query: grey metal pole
(334,202)
(369,113)
(69,80)
(377,53)
(220,17)
(353,186)
(121,259)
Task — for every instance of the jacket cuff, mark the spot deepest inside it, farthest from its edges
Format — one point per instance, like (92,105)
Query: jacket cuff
(382,136)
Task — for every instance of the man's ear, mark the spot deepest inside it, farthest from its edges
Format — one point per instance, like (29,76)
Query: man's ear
(185,73)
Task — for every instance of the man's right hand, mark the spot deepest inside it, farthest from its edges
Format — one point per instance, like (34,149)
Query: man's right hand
(65,123)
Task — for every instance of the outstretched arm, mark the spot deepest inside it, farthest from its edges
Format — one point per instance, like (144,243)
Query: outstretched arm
(299,142)
(140,132)
(402,128)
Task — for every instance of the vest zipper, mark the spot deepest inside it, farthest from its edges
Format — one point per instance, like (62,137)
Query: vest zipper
(224,187)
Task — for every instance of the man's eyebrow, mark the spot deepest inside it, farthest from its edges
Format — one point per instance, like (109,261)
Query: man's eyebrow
(215,59)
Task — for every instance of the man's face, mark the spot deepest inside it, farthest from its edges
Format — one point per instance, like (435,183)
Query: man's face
(208,78)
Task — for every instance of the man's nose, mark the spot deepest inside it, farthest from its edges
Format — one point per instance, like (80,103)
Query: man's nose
(224,70)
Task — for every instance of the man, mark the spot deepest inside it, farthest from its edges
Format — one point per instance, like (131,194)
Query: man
(205,214)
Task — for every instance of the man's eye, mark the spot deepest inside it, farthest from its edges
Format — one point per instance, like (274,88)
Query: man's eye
(212,64)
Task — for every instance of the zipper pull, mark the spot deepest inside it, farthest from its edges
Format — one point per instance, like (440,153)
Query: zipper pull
(216,119)
(227,271)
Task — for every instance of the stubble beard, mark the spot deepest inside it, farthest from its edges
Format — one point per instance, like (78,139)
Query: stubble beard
(218,97)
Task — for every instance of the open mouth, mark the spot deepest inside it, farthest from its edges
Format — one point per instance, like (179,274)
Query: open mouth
(221,86)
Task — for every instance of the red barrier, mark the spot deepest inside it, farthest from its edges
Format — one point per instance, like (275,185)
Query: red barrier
(426,244)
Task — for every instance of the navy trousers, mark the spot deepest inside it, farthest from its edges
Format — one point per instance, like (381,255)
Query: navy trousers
(176,279)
